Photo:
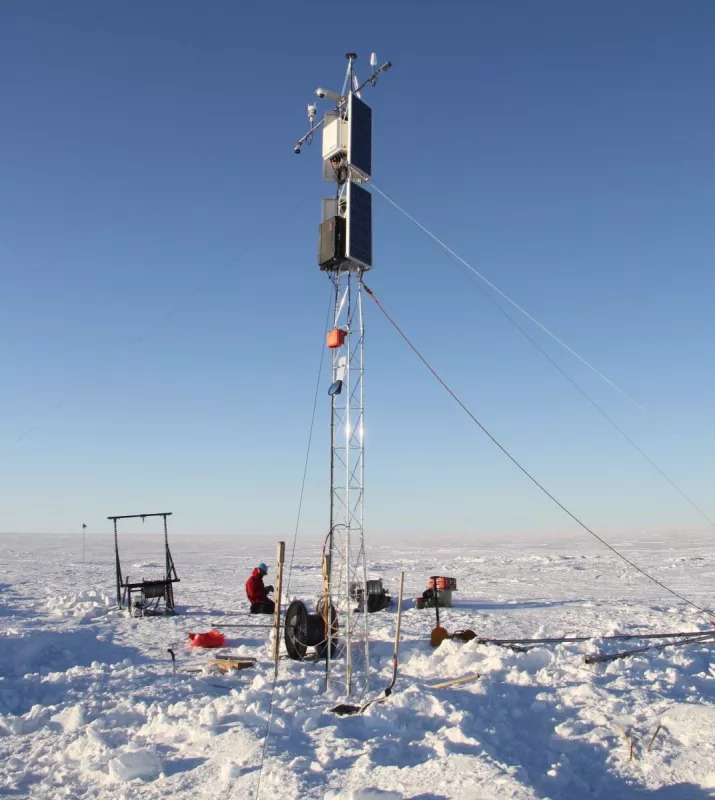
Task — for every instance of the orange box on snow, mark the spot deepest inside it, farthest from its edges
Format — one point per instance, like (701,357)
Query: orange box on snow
(336,338)
(443,584)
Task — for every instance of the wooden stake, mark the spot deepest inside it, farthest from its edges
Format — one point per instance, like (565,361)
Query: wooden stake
(657,731)
(455,682)
(280,557)
(396,651)
(630,741)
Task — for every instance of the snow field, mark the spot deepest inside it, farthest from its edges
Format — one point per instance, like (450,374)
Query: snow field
(90,706)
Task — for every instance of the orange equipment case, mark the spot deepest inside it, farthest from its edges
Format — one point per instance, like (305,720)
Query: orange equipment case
(443,584)
(336,338)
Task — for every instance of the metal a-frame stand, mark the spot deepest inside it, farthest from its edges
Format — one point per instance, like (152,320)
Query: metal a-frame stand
(152,593)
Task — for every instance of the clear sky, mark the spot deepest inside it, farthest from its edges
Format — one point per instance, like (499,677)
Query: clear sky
(161,312)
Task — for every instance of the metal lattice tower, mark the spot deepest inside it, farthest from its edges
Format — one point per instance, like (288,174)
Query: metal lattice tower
(345,253)
(346,568)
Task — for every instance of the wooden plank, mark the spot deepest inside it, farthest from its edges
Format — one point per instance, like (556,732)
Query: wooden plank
(280,557)
(226,664)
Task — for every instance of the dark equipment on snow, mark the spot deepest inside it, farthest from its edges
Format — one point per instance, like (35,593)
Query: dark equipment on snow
(524,645)
(707,638)
(378,598)
(439,590)
(304,630)
(464,636)
(468,635)
(155,596)
(611,637)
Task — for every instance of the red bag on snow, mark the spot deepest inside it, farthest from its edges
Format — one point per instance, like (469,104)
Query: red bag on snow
(213,638)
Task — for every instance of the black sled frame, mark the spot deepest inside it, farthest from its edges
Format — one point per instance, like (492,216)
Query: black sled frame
(151,597)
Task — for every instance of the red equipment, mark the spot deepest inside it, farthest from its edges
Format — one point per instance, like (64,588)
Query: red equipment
(443,583)
(213,638)
(439,595)
(336,338)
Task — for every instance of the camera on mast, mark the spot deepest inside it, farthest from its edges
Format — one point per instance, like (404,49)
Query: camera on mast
(334,96)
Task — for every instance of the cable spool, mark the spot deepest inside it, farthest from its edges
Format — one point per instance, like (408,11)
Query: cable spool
(304,630)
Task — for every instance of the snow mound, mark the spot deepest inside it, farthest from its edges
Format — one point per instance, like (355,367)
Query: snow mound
(85,605)
(38,668)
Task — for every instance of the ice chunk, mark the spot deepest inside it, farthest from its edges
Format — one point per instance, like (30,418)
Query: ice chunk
(143,764)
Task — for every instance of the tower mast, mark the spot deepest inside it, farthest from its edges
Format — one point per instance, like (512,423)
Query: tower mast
(345,254)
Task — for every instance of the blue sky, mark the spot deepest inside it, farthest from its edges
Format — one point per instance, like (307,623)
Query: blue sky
(162,313)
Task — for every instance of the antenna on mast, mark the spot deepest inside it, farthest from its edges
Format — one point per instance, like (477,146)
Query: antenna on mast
(344,254)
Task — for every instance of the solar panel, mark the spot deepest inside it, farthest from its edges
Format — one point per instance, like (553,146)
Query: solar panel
(359,224)
(360,139)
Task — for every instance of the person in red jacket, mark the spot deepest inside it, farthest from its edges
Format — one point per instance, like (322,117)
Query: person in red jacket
(257,593)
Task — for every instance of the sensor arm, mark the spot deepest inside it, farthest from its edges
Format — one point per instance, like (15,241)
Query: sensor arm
(373,78)
(341,101)
(308,136)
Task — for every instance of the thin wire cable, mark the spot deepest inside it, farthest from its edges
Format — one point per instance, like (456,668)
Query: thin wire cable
(516,463)
(295,535)
(267,733)
(310,440)
(519,308)
(585,394)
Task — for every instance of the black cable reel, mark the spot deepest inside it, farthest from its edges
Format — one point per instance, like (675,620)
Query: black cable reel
(304,630)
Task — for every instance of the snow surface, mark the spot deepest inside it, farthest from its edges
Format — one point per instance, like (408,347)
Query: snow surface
(90,707)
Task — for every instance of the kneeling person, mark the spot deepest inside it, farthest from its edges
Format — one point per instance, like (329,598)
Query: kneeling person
(257,593)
